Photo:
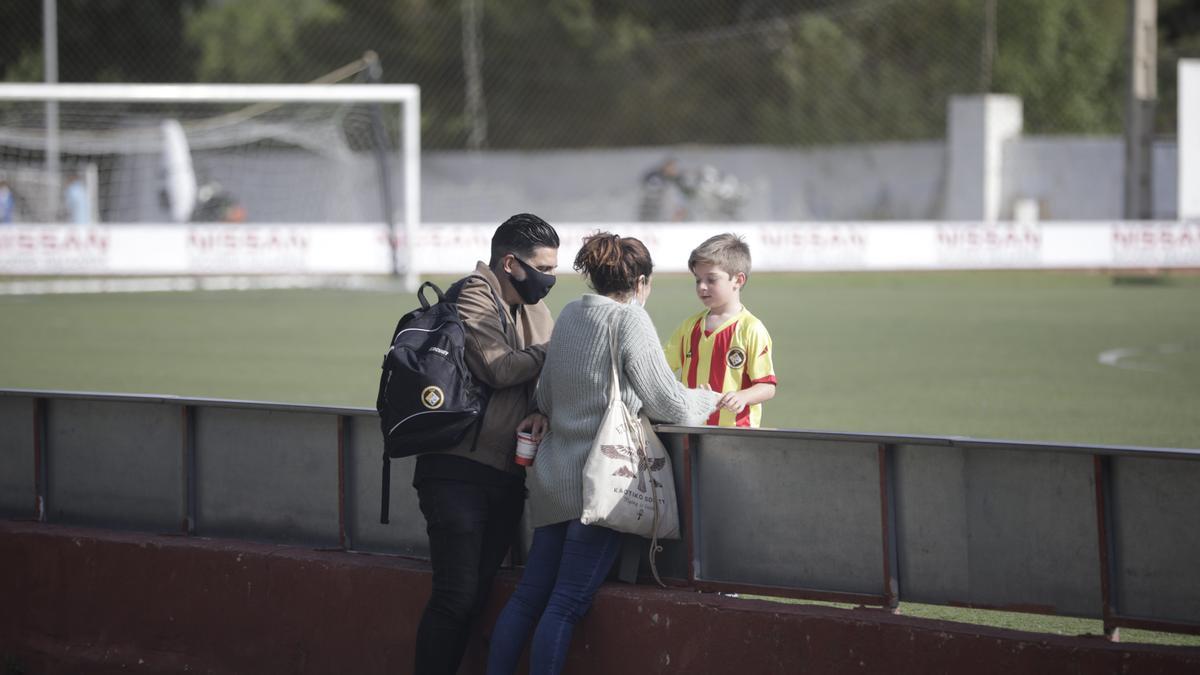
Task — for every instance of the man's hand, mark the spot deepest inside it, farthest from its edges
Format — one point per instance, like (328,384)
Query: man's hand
(536,424)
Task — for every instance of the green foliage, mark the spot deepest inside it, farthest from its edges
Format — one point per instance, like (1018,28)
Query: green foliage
(582,73)
(816,51)
(26,67)
(257,42)
(99,41)
(1066,60)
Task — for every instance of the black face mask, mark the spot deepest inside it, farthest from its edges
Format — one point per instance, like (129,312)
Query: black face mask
(534,286)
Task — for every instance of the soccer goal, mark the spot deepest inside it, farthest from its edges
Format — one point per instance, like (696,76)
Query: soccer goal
(281,155)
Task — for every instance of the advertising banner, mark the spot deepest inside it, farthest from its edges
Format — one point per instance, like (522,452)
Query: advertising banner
(451,248)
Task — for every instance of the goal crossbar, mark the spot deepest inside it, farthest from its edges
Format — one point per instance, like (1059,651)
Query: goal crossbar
(233,93)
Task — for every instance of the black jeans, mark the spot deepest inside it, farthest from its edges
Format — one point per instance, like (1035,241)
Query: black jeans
(470,527)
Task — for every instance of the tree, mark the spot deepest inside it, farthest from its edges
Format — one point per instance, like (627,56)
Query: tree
(580,73)
(263,41)
(98,41)
(1065,59)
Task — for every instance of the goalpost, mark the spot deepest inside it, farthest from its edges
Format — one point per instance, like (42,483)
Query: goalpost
(212,153)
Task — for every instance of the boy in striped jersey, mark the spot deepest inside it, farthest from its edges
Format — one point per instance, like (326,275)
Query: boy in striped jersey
(725,346)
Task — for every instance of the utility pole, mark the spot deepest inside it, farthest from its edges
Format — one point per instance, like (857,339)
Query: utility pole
(1139,109)
(987,56)
(50,63)
(472,41)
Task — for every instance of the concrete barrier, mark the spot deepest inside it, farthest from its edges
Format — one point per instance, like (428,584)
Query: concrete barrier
(97,601)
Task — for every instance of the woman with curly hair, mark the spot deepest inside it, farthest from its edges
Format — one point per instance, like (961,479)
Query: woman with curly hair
(568,560)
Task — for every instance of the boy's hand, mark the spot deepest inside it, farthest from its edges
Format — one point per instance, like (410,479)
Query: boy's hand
(536,424)
(733,401)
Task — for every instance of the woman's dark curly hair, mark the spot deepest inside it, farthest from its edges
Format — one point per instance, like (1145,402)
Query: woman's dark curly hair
(612,263)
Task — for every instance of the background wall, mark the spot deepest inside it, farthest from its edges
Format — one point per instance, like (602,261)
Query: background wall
(1070,178)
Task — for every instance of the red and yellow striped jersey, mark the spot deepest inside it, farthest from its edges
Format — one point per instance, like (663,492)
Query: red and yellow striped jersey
(733,357)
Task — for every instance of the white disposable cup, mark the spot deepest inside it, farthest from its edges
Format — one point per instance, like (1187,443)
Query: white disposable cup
(526,448)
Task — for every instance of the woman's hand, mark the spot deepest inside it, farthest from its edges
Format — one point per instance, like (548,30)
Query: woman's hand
(733,401)
(536,424)
(707,387)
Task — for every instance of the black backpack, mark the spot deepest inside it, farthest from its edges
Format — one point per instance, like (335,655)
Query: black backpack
(427,398)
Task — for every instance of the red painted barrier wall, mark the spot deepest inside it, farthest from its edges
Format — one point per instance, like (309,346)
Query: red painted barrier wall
(78,600)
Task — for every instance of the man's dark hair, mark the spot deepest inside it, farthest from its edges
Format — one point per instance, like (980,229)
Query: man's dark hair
(521,234)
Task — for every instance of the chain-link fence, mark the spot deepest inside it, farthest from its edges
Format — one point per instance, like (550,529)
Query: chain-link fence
(588,73)
(625,74)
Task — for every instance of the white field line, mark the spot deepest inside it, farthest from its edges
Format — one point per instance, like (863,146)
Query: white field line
(1138,358)
(177,284)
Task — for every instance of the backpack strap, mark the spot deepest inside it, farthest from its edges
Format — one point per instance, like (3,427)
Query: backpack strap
(436,291)
(456,290)
(452,295)
(386,493)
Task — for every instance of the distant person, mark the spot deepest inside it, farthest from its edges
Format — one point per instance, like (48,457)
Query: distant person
(472,495)
(79,205)
(8,202)
(716,195)
(664,193)
(568,560)
(215,204)
(725,346)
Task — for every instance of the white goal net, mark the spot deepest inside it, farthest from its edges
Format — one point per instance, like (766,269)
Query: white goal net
(191,154)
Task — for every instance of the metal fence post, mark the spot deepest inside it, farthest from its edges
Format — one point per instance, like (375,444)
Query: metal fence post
(41,476)
(690,505)
(1102,470)
(887,508)
(188,419)
(345,535)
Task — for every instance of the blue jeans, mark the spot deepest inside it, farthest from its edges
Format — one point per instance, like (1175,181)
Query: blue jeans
(567,563)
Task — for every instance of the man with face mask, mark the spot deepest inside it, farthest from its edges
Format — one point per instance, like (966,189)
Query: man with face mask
(472,495)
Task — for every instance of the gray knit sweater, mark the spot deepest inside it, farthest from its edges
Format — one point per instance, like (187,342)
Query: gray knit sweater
(573,393)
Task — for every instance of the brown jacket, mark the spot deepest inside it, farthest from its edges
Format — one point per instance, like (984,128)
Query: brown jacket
(507,357)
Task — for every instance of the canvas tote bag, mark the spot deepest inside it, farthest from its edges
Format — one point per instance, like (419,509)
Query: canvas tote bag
(627,481)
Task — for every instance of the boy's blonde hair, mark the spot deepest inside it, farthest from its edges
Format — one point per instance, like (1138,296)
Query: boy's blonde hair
(727,251)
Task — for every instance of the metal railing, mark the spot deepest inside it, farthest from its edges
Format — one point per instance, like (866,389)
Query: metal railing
(1106,532)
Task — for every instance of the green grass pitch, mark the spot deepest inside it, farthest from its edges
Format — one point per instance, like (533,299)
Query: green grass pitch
(1012,355)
